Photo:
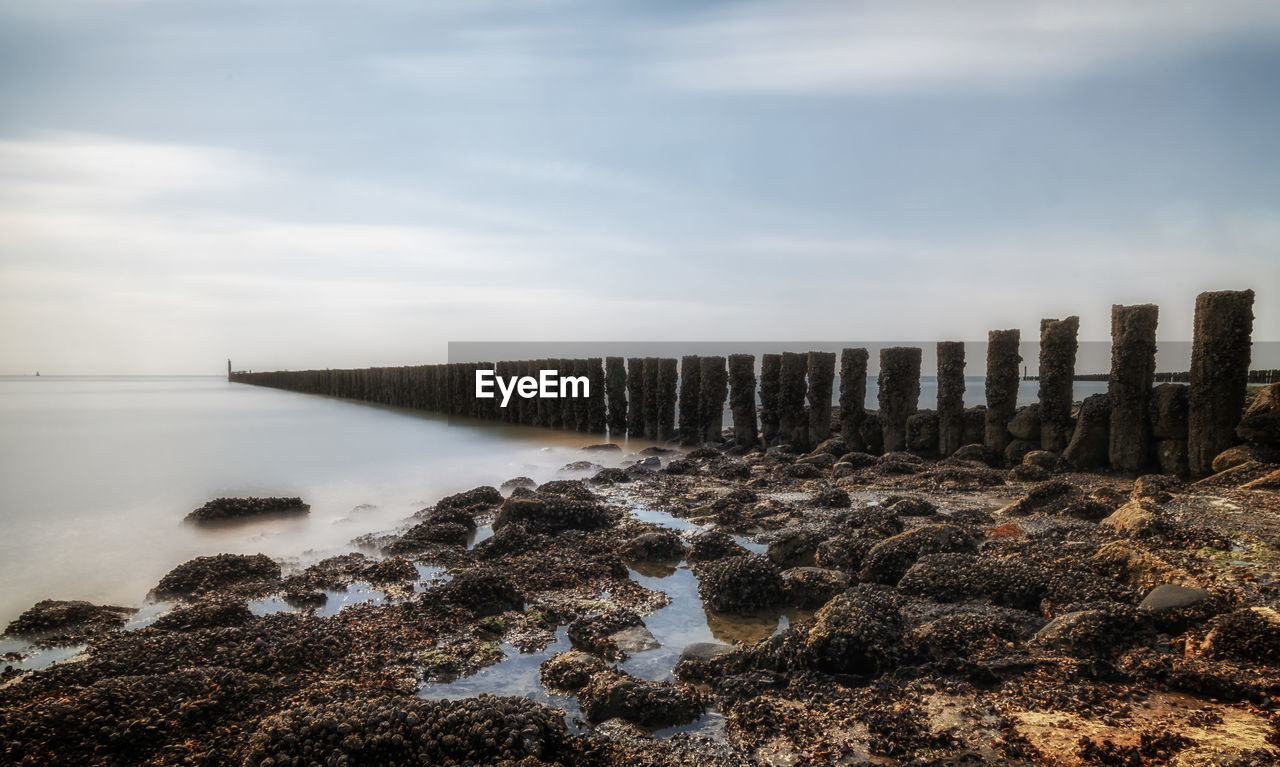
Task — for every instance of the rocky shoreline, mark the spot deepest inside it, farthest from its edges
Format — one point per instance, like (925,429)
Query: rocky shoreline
(857,609)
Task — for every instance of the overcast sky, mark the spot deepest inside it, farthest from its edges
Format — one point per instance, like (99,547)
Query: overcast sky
(346,183)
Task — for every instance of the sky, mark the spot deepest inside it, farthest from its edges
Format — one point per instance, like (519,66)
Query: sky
(301,184)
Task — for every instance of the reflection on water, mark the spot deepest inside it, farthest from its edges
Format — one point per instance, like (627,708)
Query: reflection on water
(684,621)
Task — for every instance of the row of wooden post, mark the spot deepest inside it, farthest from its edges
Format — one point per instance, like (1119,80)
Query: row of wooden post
(667,399)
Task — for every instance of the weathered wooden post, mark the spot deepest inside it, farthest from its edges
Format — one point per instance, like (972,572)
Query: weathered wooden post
(1133,368)
(582,403)
(668,373)
(615,381)
(690,400)
(1002,386)
(1220,354)
(742,399)
(596,420)
(568,407)
(635,397)
(950,397)
(715,388)
(822,373)
(651,398)
(1057,380)
(792,422)
(770,381)
(899,384)
(853,396)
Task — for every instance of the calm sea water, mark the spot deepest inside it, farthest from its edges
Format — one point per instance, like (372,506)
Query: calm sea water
(96,474)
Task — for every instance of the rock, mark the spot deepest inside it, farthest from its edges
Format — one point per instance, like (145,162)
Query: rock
(1241,454)
(1045,459)
(1236,476)
(740,584)
(830,498)
(812,587)
(579,467)
(922,432)
(1171,596)
(205,574)
(857,632)
(483,593)
(611,477)
(604,447)
(858,460)
(1017,449)
(1090,442)
(612,694)
(1136,519)
(223,509)
(427,534)
(959,577)
(794,547)
(971,632)
(820,460)
(515,482)
(889,559)
(1155,487)
(1169,411)
(659,546)
(711,545)
(1025,424)
(634,640)
(842,470)
(843,552)
(570,670)
(1136,567)
(404,729)
(1052,497)
(213,613)
(1269,482)
(393,570)
(1028,472)
(833,446)
(475,499)
(704,651)
(552,514)
(75,618)
(1099,632)
(878,522)
(1261,422)
(1249,634)
(802,471)
(977,453)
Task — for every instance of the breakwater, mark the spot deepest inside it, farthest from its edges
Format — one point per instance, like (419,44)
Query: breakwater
(1137,426)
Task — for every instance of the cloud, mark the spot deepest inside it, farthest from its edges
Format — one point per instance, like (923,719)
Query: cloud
(836,46)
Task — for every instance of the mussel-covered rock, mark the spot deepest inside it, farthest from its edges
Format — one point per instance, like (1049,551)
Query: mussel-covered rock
(1249,634)
(570,670)
(220,509)
(713,544)
(480,592)
(813,587)
(73,618)
(208,613)
(553,513)
(1102,630)
(956,577)
(612,694)
(409,730)
(890,559)
(616,635)
(857,632)
(658,546)
(740,584)
(204,574)
(475,499)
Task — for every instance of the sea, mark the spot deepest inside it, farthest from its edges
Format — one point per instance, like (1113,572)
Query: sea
(97,474)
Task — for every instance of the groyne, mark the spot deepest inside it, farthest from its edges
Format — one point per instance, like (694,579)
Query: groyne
(1138,426)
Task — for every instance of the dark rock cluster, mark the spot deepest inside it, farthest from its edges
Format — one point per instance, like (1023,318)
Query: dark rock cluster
(220,509)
